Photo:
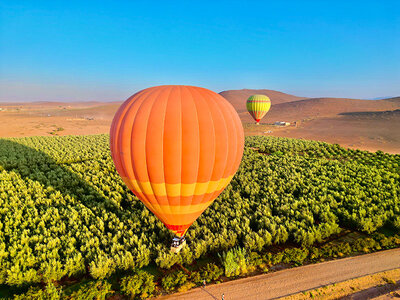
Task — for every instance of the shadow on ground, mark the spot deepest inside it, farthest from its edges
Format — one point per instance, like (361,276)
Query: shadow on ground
(374,292)
(38,166)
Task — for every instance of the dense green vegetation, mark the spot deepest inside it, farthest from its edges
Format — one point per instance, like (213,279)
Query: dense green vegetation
(65,212)
(140,284)
(233,263)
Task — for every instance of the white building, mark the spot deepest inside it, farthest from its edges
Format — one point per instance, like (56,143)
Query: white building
(280,123)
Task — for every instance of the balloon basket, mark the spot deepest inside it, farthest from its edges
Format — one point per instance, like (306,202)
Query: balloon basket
(177,244)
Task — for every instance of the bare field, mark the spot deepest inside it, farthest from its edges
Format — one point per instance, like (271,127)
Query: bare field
(350,132)
(359,124)
(47,118)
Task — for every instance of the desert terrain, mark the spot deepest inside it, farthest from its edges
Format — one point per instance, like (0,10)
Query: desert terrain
(55,118)
(354,123)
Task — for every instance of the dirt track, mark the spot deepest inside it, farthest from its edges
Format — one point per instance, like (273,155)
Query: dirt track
(287,282)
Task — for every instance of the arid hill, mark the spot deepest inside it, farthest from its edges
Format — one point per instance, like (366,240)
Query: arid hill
(238,97)
(387,114)
(325,107)
(355,123)
(291,108)
(394,99)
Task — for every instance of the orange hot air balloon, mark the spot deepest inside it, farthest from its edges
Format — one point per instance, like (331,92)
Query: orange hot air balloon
(177,148)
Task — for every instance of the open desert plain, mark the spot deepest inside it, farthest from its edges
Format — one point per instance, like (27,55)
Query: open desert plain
(352,123)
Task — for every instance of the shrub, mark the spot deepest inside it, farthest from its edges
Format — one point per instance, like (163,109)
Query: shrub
(365,245)
(50,292)
(211,272)
(255,259)
(103,268)
(277,153)
(387,242)
(98,290)
(141,284)
(295,255)
(174,280)
(273,259)
(187,286)
(234,262)
(196,278)
(264,267)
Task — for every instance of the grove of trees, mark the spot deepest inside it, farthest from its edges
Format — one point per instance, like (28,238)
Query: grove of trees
(64,211)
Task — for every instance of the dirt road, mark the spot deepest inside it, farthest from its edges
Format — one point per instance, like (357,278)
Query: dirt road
(287,282)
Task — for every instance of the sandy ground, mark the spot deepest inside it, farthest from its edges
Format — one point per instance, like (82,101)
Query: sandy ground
(382,285)
(352,132)
(329,120)
(291,281)
(46,119)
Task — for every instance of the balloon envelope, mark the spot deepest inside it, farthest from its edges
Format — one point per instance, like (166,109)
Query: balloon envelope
(258,106)
(176,148)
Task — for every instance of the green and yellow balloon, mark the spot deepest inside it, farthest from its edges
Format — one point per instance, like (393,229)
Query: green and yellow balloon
(258,106)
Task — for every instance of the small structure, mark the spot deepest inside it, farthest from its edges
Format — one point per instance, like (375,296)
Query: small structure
(280,123)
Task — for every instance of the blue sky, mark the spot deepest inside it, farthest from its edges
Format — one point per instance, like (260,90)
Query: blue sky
(107,50)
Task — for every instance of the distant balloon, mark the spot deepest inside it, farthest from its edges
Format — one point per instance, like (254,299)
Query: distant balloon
(258,106)
(177,148)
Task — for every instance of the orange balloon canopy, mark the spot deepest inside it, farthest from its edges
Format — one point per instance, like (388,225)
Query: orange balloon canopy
(177,148)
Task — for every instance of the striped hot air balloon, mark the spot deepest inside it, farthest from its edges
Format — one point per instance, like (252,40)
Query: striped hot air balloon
(258,106)
(177,148)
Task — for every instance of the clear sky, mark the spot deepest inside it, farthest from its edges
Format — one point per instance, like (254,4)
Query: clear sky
(108,50)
